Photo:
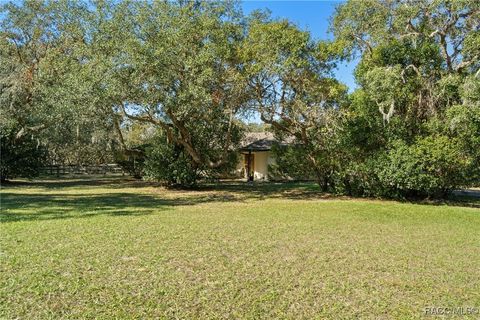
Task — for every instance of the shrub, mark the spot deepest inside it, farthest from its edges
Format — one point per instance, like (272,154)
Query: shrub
(359,179)
(464,123)
(20,157)
(169,164)
(132,161)
(431,167)
(290,163)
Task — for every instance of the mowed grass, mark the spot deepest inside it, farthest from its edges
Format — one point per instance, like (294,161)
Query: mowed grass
(113,248)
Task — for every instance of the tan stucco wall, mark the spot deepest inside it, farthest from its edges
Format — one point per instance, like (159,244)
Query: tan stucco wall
(262,160)
(261,165)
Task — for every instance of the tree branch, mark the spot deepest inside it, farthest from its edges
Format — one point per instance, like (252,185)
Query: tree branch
(365,42)
(24,130)
(410,66)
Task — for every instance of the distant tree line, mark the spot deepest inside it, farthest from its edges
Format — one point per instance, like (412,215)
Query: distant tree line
(164,87)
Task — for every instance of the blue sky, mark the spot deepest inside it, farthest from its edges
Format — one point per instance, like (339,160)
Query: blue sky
(309,15)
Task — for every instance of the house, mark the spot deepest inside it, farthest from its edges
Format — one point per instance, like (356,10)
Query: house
(256,156)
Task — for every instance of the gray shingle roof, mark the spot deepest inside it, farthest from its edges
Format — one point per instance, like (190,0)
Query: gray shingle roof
(258,141)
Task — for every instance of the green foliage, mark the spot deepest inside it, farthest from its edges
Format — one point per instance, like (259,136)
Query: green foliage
(432,166)
(470,90)
(389,162)
(172,165)
(88,79)
(359,178)
(132,160)
(290,163)
(464,123)
(297,96)
(71,70)
(256,127)
(176,65)
(19,157)
(415,57)
(412,126)
(45,85)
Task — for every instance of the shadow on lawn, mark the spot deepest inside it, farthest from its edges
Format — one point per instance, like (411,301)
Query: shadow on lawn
(311,191)
(59,205)
(26,207)
(459,201)
(31,206)
(38,206)
(112,182)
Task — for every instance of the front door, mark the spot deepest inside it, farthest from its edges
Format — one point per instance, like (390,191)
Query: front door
(249,165)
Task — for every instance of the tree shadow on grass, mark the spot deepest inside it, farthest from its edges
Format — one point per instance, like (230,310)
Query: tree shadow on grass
(37,206)
(60,205)
(112,182)
(269,190)
(457,201)
(311,191)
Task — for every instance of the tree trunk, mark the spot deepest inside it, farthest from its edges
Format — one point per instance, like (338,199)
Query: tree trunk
(322,181)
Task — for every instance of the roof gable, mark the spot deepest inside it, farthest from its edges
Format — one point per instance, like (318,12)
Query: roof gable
(258,141)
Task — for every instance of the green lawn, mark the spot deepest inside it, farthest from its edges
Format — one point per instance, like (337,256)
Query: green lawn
(122,249)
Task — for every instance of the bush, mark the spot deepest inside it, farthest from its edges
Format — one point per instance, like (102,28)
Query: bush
(290,163)
(20,157)
(132,161)
(169,164)
(431,167)
(464,123)
(359,179)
